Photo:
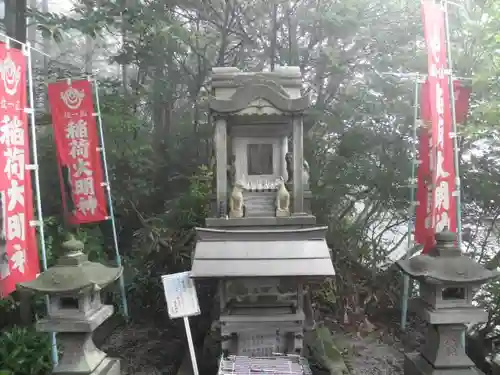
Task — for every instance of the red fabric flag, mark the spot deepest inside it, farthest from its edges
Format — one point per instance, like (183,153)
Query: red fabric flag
(441,213)
(462,97)
(78,153)
(424,188)
(19,261)
(425,102)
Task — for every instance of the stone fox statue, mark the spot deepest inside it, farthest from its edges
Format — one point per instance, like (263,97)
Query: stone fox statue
(236,202)
(282,199)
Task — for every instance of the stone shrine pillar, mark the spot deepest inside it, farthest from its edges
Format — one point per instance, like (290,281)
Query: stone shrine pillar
(298,165)
(75,310)
(447,279)
(220,141)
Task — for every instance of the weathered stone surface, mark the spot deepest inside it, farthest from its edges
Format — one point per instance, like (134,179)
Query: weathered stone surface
(73,273)
(415,364)
(109,366)
(444,347)
(76,310)
(261,291)
(261,310)
(325,352)
(447,278)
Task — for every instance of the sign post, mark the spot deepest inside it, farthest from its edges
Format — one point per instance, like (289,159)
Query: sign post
(182,302)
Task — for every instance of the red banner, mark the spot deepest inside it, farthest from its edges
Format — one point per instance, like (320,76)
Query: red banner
(462,97)
(424,188)
(19,260)
(78,155)
(441,213)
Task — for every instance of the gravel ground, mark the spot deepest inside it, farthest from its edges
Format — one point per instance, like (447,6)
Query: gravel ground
(156,348)
(380,352)
(146,348)
(371,356)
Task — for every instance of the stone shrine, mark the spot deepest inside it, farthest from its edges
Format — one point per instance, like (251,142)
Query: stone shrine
(261,240)
(447,279)
(75,310)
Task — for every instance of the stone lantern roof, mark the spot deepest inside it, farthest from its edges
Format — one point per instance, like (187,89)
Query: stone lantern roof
(445,264)
(73,273)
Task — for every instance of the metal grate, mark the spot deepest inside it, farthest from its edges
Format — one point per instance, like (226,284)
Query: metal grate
(274,365)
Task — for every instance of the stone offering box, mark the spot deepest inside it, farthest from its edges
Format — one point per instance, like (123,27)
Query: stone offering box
(447,279)
(260,243)
(75,310)
(282,365)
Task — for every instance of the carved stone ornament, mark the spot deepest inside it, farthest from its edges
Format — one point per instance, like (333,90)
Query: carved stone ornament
(289,167)
(305,174)
(282,199)
(236,200)
(231,171)
(289,170)
(245,95)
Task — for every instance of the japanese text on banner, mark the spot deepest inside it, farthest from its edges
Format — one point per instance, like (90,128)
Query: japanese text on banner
(79,158)
(441,210)
(19,260)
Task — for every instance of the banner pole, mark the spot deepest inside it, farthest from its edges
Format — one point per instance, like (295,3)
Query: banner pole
(41,230)
(9,38)
(411,210)
(456,160)
(110,200)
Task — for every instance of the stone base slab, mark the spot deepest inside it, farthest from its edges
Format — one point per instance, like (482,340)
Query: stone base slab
(109,366)
(415,364)
(282,213)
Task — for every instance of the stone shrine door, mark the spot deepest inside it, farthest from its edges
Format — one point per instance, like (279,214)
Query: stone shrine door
(258,159)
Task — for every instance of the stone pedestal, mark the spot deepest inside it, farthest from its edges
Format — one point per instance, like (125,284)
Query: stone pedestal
(443,353)
(447,279)
(80,355)
(444,346)
(415,364)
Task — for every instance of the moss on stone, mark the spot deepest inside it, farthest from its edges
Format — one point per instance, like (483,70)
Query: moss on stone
(325,352)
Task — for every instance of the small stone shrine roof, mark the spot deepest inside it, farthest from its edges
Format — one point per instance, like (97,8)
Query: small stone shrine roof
(223,253)
(445,264)
(73,273)
(242,89)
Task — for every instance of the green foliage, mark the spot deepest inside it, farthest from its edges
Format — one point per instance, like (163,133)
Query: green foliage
(157,132)
(24,352)
(9,311)
(165,242)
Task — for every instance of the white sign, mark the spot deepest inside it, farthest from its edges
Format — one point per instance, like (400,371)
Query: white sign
(180,293)
(182,302)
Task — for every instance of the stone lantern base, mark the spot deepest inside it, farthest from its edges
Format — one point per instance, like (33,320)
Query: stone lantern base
(81,356)
(415,364)
(109,366)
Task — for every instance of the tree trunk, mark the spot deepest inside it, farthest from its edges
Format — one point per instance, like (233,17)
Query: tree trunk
(15,20)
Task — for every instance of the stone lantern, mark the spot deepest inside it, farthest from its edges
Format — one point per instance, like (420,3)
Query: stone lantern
(447,279)
(75,310)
